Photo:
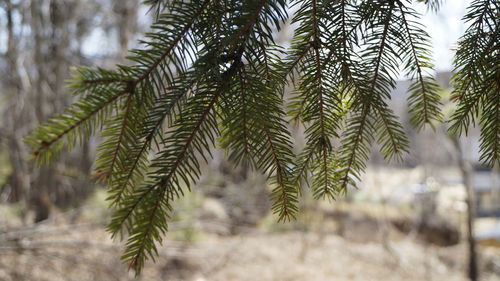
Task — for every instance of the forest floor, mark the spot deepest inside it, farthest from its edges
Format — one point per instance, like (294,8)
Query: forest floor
(364,237)
(85,252)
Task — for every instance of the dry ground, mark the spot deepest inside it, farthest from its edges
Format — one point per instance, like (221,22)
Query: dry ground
(87,253)
(366,248)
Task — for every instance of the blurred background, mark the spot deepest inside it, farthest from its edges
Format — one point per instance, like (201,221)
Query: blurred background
(407,221)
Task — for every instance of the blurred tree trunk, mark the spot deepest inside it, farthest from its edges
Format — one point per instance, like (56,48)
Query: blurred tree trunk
(466,171)
(38,63)
(51,22)
(126,14)
(15,113)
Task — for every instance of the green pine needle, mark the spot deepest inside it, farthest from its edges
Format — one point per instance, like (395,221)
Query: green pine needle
(211,74)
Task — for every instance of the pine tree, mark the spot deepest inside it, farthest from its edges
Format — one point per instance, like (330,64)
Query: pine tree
(210,73)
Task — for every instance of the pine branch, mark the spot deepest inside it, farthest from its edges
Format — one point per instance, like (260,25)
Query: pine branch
(210,72)
(285,194)
(135,166)
(476,77)
(392,137)
(145,231)
(119,144)
(89,110)
(354,152)
(275,155)
(316,106)
(178,162)
(424,99)
(82,114)
(366,109)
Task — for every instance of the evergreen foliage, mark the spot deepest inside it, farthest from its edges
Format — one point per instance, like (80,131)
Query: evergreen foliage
(477,78)
(210,73)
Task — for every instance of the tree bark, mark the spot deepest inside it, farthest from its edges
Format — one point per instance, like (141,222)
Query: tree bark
(467,173)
